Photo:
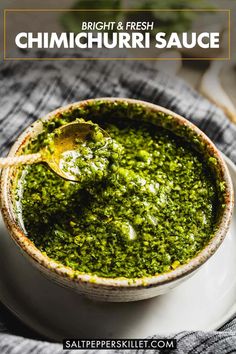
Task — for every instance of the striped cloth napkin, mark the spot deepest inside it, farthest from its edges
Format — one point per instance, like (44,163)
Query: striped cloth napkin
(29,90)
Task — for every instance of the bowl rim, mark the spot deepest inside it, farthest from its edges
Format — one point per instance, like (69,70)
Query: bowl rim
(67,273)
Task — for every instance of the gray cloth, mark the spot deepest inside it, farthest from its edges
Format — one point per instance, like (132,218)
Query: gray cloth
(28,90)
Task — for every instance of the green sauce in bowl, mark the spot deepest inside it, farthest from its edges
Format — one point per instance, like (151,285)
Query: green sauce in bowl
(154,209)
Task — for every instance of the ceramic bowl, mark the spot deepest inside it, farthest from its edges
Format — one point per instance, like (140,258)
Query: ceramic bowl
(119,289)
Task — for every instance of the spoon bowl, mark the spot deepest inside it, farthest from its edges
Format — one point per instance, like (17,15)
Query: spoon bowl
(66,139)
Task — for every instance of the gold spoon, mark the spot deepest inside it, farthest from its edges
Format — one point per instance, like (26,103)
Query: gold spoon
(66,139)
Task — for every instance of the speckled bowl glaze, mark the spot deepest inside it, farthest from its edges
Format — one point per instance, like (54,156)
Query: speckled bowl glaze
(118,289)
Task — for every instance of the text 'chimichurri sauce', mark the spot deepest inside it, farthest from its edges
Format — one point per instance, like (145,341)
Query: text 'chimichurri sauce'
(151,212)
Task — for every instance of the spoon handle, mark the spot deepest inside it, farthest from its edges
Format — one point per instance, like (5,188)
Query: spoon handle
(19,160)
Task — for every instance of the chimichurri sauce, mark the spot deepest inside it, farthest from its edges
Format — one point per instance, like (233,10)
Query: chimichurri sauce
(152,211)
(90,159)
